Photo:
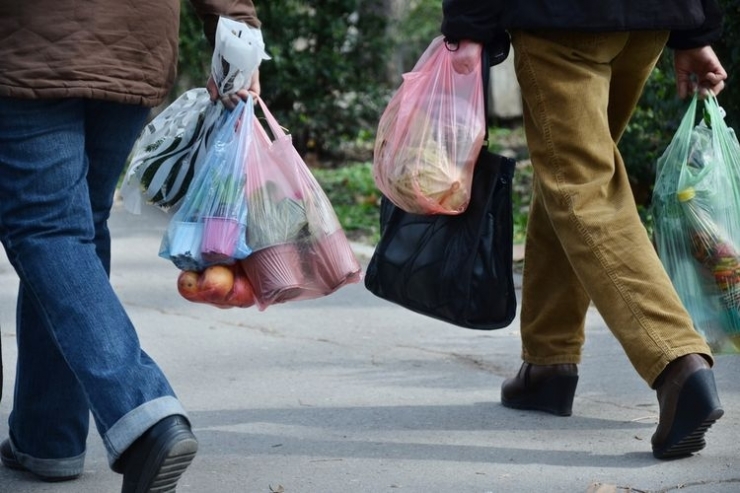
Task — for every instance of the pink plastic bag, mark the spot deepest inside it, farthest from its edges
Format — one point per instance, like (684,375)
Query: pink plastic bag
(299,249)
(430,135)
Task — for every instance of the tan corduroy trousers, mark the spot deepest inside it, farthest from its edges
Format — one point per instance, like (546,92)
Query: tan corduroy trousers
(585,241)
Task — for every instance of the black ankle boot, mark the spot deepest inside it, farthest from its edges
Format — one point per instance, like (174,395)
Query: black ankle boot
(689,405)
(548,388)
(155,461)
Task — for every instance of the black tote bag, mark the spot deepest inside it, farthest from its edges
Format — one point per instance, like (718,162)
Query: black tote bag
(455,268)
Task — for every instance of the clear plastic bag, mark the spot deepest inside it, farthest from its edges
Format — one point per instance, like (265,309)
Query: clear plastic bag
(299,248)
(429,136)
(696,205)
(166,154)
(210,226)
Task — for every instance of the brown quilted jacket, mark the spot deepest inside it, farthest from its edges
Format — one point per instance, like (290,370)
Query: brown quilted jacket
(122,51)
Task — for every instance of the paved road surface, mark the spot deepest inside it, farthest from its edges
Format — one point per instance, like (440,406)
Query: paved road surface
(350,394)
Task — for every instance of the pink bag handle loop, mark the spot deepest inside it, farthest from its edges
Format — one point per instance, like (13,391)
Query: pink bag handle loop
(277,131)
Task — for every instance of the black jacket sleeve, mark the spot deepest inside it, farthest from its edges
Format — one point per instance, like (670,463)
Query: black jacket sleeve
(470,19)
(476,20)
(704,35)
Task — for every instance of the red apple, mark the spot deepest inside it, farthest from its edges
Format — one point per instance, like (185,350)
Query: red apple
(216,283)
(242,293)
(187,285)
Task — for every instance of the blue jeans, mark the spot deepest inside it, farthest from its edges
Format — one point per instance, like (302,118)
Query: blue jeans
(78,352)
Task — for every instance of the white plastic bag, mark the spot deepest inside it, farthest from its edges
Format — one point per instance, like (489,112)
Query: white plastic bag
(238,53)
(170,149)
(164,158)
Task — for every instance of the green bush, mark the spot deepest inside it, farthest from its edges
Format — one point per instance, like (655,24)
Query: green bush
(327,78)
(728,49)
(194,59)
(410,34)
(333,69)
(352,192)
(327,81)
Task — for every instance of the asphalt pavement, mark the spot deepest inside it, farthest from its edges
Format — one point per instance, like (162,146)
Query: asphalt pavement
(351,394)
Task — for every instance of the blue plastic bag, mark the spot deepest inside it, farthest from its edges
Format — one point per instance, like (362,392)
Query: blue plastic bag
(210,226)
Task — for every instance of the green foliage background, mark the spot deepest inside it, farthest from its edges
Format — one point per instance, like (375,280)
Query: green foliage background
(335,64)
(327,80)
(728,50)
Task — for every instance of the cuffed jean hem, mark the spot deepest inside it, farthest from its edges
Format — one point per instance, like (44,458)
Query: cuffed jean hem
(137,421)
(50,468)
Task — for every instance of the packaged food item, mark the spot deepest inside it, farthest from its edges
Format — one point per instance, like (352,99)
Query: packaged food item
(716,255)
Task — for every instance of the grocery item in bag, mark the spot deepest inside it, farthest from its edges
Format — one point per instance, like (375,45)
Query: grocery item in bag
(430,135)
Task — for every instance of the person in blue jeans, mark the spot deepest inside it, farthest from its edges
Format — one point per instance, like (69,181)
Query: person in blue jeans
(76,86)
(581,66)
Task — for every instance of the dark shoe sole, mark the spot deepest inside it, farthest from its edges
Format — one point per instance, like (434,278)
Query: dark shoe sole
(170,461)
(7,457)
(697,410)
(554,396)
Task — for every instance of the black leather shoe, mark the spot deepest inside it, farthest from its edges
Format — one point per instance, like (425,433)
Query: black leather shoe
(10,461)
(689,405)
(156,460)
(548,388)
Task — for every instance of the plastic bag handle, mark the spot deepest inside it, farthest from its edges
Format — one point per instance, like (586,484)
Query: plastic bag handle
(486,78)
(275,128)
(725,142)
(684,130)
